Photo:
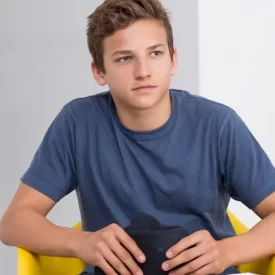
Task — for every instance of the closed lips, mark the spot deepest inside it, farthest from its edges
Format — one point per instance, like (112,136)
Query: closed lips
(144,87)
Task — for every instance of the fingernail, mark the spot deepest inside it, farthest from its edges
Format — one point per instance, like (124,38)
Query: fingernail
(169,254)
(139,273)
(141,258)
(165,266)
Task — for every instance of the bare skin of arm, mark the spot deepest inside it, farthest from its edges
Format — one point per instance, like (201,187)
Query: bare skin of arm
(25,225)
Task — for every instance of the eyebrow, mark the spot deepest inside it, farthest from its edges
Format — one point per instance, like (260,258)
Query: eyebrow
(122,52)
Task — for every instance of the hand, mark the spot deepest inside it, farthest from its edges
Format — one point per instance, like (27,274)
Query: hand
(104,248)
(201,254)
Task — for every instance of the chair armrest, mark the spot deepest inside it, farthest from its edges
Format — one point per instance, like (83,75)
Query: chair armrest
(27,263)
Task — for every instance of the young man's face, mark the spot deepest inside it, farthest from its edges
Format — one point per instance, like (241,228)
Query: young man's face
(138,65)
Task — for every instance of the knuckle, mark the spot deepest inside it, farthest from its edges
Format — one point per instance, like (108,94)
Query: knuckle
(121,268)
(97,257)
(114,226)
(99,246)
(132,242)
(188,256)
(118,266)
(206,233)
(213,243)
(192,266)
(105,234)
(125,256)
(187,269)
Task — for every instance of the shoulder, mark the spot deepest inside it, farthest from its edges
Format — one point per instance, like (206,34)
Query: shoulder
(93,105)
(199,108)
(200,103)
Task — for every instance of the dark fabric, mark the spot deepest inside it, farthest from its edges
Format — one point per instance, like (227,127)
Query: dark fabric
(154,239)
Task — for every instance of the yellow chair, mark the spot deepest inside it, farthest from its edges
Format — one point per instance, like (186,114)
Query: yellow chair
(265,266)
(32,264)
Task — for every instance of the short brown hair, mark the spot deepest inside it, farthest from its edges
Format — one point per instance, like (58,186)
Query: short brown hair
(114,15)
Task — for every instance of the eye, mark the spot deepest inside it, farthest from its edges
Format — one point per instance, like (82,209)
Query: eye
(124,59)
(157,53)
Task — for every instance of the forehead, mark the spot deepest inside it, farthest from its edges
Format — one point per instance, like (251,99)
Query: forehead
(138,36)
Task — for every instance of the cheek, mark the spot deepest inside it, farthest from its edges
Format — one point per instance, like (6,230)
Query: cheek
(122,72)
(164,76)
(119,82)
(164,69)
(118,77)
(164,73)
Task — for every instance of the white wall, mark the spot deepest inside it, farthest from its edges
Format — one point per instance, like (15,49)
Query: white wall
(44,63)
(236,67)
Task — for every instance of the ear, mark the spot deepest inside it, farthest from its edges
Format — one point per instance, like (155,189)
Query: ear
(174,64)
(98,75)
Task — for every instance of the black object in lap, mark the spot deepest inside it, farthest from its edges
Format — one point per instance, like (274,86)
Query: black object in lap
(154,239)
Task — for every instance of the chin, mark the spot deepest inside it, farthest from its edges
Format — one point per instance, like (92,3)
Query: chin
(144,104)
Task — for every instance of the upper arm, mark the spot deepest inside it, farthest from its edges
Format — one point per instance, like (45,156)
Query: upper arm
(266,207)
(51,174)
(52,171)
(248,173)
(27,197)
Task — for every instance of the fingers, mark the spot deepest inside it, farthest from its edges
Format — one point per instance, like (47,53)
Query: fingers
(115,262)
(187,242)
(186,256)
(189,255)
(197,264)
(105,266)
(208,269)
(125,258)
(116,254)
(130,244)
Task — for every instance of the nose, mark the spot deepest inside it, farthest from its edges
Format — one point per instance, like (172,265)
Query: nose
(142,69)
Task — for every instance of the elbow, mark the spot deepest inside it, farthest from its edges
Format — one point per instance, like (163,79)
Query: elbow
(6,231)
(4,241)
(3,237)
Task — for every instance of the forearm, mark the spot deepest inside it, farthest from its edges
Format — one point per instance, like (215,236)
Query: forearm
(256,244)
(30,230)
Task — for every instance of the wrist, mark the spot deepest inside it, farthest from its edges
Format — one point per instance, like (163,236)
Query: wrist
(230,252)
(76,242)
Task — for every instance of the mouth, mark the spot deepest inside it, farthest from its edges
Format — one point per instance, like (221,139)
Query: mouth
(144,89)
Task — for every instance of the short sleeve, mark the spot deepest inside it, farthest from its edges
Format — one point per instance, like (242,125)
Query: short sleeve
(247,171)
(52,170)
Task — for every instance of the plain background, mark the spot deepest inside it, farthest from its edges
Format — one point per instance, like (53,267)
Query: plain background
(226,53)
(236,67)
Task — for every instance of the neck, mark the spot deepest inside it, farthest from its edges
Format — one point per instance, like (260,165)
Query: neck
(148,119)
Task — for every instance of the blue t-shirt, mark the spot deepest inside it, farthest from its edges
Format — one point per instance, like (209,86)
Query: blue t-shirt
(182,173)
